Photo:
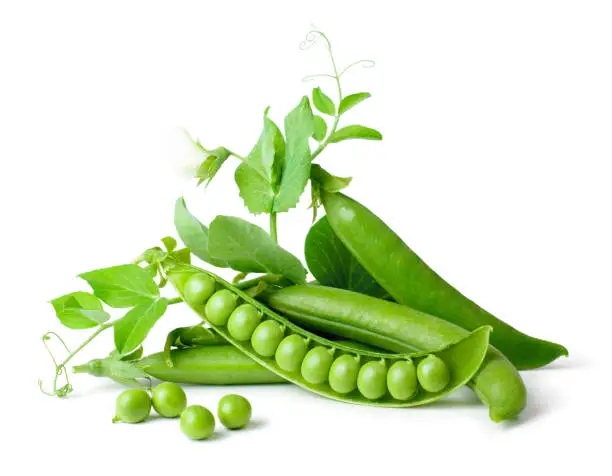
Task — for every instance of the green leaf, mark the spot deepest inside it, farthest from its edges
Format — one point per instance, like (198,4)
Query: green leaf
(328,182)
(79,310)
(258,177)
(181,256)
(209,168)
(249,249)
(169,243)
(322,102)
(331,263)
(122,286)
(193,233)
(299,128)
(355,132)
(351,101)
(320,128)
(132,329)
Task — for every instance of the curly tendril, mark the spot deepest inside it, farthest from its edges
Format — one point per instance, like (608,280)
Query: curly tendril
(365,63)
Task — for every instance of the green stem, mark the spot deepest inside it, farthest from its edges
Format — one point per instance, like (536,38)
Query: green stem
(175,300)
(273,228)
(334,126)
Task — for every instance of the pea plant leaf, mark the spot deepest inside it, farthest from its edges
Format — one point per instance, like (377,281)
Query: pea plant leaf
(79,310)
(351,101)
(169,243)
(249,249)
(122,286)
(132,329)
(258,177)
(322,102)
(355,132)
(211,165)
(328,182)
(299,128)
(320,129)
(332,264)
(194,234)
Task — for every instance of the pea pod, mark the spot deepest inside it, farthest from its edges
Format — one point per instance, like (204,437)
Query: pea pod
(411,282)
(310,365)
(398,328)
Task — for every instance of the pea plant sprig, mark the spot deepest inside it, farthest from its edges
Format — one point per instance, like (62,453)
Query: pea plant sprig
(271,179)
(274,174)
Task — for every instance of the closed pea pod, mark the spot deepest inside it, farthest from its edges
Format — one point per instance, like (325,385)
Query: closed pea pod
(267,348)
(402,380)
(343,374)
(291,352)
(316,365)
(398,328)
(372,380)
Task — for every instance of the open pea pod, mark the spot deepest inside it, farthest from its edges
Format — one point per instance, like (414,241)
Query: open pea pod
(328,368)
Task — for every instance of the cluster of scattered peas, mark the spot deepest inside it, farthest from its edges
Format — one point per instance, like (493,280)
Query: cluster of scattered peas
(313,362)
(169,401)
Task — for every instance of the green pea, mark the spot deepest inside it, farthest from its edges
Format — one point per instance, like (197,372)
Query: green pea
(197,422)
(198,288)
(343,374)
(169,399)
(234,411)
(220,306)
(243,322)
(433,374)
(266,337)
(291,352)
(316,364)
(372,380)
(132,406)
(402,380)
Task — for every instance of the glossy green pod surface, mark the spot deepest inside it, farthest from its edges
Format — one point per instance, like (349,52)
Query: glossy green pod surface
(409,280)
(208,365)
(463,357)
(398,328)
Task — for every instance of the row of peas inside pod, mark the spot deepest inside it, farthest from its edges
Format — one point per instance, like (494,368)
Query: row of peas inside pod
(170,401)
(323,366)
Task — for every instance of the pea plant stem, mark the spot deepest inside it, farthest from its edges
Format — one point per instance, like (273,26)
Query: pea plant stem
(273,227)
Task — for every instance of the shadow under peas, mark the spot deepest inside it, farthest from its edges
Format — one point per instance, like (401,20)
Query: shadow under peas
(255,424)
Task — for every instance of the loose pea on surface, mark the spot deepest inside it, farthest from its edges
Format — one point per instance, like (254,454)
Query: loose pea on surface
(291,352)
(343,374)
(198,288)
(234,411)
(243,321)
(433,373)
(132,406)
(372,380)
(402,380)
(169,399)
(220,306)
(197,422)
(266,337)
(316,364)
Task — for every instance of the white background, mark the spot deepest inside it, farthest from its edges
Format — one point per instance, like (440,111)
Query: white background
(495,168)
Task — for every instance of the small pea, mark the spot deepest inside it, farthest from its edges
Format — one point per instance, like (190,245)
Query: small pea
(266,337)
(433,374)
(402,380)
(198,288)
(372,380)
(220,306)
(197,422)
(169,399)
(316,364)
(234,411)
(291,352)
(132,406)
(343,374)
(243,321)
